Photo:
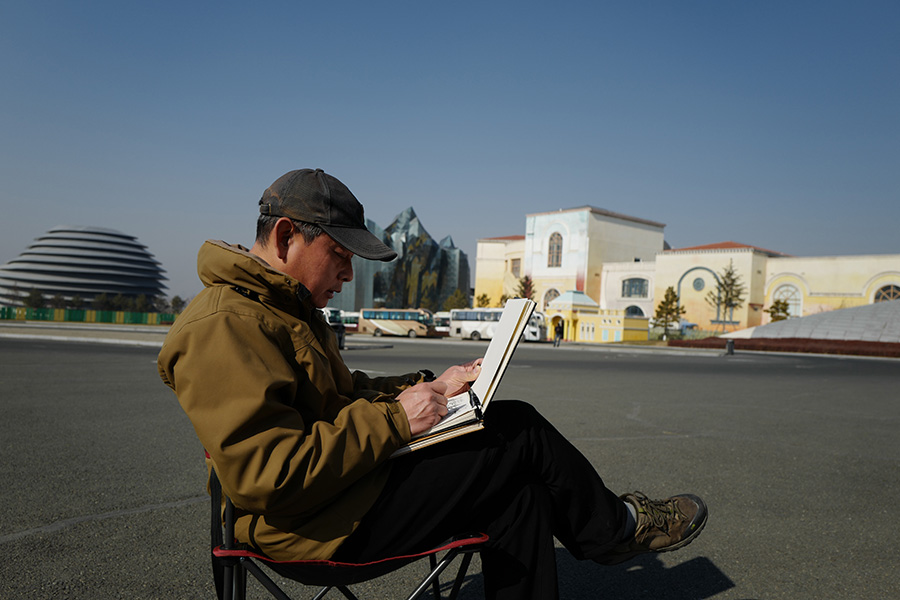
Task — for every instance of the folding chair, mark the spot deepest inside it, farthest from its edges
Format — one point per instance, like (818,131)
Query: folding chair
(232,562)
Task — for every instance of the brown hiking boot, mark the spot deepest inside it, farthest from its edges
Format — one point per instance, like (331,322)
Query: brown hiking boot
(662,526)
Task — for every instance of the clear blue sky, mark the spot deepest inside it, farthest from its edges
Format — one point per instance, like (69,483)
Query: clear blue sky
(769,123)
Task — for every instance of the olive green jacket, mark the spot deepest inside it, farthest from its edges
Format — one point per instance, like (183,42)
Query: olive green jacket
(299,442)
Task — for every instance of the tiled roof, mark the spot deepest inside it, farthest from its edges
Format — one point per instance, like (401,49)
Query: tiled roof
(727,246)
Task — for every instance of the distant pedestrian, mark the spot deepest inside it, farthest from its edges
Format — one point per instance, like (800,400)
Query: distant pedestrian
(557,338)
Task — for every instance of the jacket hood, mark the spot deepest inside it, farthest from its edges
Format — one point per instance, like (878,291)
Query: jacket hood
(220,263)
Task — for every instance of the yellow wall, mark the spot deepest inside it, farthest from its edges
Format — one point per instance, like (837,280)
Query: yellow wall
(829,283)
(493,275)
(599,326)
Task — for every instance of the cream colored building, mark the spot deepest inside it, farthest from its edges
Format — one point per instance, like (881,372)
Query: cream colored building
(498,267)
(623,264)
(564,250)
(810,285)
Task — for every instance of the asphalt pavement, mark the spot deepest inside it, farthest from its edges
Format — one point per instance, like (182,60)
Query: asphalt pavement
(797,456)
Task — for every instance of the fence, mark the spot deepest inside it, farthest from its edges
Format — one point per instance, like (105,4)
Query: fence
(12,313)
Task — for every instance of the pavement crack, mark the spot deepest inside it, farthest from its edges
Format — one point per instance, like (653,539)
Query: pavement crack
(59,525)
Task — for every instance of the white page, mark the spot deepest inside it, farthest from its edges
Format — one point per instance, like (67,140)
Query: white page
(509,330)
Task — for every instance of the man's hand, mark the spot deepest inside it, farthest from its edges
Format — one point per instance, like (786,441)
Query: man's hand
(425,405)
(459,377)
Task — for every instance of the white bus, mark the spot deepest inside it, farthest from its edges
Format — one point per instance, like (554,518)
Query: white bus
(442,322)
(409,322)
(480,323)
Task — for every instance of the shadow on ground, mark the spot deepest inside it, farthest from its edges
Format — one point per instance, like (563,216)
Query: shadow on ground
(642,578)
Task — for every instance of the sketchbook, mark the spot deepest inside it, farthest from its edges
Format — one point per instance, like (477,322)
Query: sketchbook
(465,411)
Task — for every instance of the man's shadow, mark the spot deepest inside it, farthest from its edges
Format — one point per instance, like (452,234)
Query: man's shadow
(641,578)
(645,576)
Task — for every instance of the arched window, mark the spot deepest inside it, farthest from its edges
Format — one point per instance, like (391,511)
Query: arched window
(634,311)
(549,296)
(635,288)
(554,251)
(888,293)
(792,296)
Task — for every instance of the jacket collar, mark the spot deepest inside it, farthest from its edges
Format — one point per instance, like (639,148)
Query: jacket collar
(220,263)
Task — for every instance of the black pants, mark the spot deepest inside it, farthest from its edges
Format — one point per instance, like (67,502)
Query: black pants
(519,480)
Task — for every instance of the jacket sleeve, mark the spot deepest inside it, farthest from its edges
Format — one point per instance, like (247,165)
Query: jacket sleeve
(238,380)
(385,385)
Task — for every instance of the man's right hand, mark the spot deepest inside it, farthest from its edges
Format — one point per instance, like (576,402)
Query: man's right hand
(425,405)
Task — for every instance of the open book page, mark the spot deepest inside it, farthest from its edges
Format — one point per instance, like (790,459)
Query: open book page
(509,331)
(467,408)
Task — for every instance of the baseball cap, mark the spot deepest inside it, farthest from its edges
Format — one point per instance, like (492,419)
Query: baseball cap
(314,196)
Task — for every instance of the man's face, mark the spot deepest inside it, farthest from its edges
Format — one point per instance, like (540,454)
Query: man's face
(322,266)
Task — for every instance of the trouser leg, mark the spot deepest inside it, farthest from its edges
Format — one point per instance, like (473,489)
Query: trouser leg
(519,480)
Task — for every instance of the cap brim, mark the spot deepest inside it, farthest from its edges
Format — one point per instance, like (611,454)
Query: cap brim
(360,242)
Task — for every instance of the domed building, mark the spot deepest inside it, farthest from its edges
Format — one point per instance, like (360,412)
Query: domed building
(82,262)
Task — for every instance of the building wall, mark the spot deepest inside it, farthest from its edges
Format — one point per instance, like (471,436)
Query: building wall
(820,283)
(831,282)
(493,270)
(694,274)
(598,326)
(569,275)
(591,237)
(615,274)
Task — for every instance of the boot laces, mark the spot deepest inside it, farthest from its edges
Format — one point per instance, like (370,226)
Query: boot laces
(660,512)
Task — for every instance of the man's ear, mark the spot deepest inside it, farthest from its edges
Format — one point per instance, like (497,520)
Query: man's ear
(282,237)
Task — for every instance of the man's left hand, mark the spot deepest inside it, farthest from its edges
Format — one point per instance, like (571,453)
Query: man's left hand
(459,377)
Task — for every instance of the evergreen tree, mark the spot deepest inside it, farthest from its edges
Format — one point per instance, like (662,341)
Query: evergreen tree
(668,311)
(457,299)
(34,299)
(177,304)
(728,294)
(102,302)
(526,288)
(142,304)
(483,301)
(779,311)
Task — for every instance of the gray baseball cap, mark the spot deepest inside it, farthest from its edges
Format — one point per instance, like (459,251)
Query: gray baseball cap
(313,196)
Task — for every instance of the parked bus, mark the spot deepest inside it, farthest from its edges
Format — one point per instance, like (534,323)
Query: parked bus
(334,318)
(480,323)
(351,321)
(442,323)
(537,331)
(410,322)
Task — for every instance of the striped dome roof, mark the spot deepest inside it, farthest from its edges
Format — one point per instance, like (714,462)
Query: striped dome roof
(84,262)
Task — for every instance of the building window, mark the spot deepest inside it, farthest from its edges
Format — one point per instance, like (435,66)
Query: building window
(635,288)
(634,311)
(551,295)
(554,252)
(888,293)
(515,266)
(791,295)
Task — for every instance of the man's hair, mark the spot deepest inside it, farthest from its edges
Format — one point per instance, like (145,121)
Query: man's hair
(266,223)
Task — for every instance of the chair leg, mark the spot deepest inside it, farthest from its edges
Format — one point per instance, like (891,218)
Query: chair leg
(264,579)
(240,584)
(436,584)
(460,576)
